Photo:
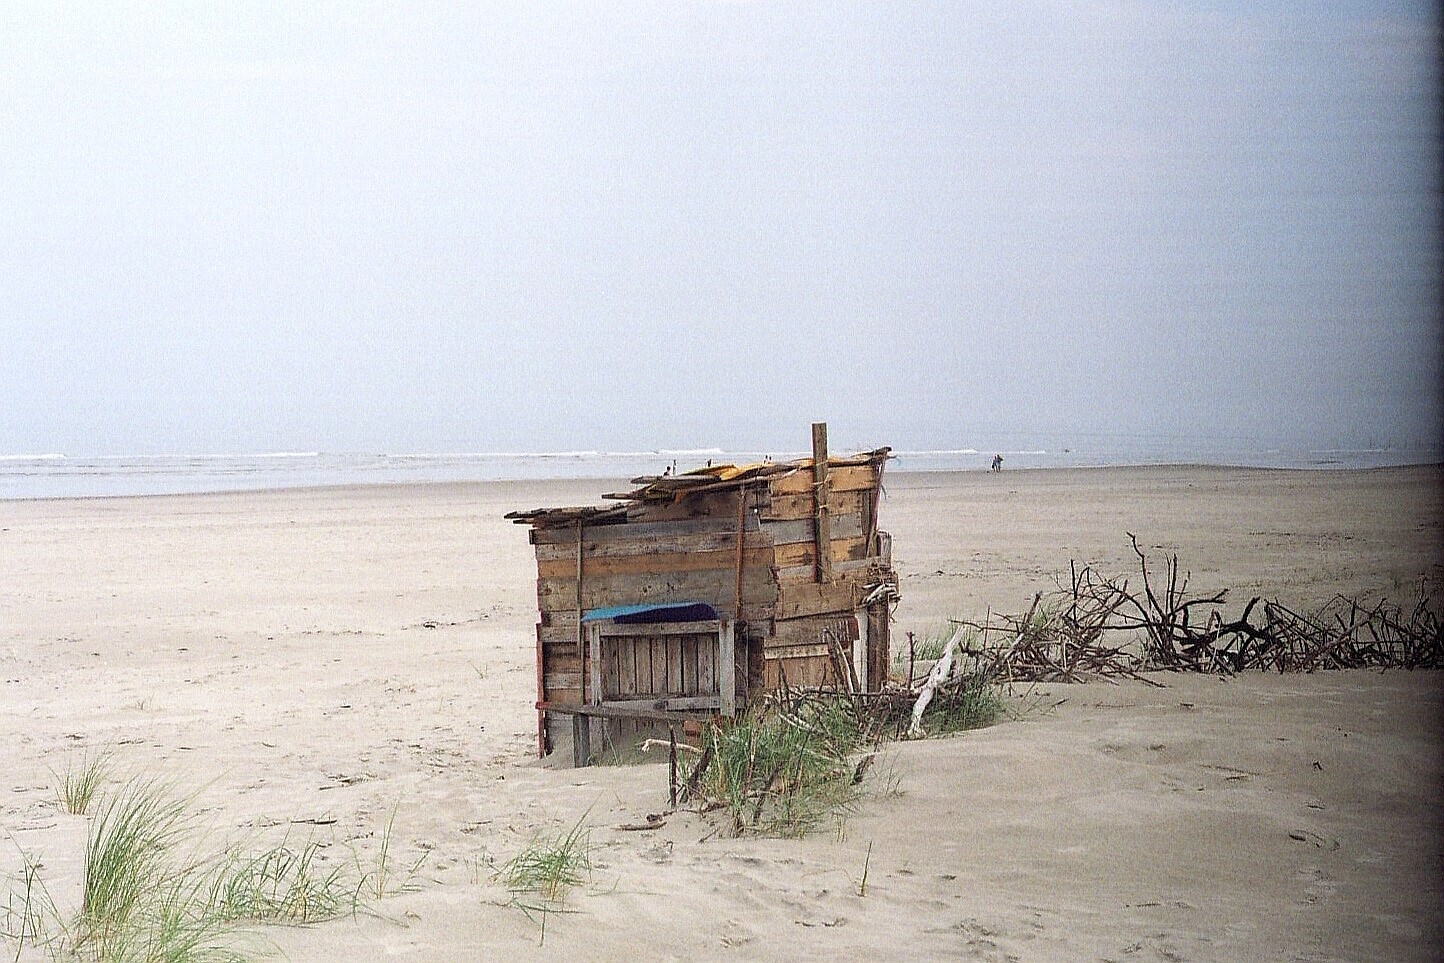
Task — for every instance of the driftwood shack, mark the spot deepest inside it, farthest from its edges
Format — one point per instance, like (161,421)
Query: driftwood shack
(699,590)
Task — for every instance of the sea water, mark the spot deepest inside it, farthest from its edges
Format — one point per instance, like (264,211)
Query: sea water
(56,475)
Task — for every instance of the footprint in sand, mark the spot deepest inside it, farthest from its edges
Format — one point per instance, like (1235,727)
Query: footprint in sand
(980,939)
(1318,886)
(1309,836)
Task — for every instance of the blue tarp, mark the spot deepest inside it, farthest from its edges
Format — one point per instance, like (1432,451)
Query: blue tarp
(649,614)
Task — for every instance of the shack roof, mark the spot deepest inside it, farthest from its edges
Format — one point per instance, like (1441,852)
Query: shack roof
(676,488)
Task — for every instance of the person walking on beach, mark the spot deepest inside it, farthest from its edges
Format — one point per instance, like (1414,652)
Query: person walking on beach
(997,463)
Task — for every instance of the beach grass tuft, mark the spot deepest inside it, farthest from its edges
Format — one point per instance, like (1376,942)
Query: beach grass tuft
(283,885)
(142,898)
(77,786)
(786,767)
(29,917)
(151,893)
(547,868)
(127,859)
(382,879)
(539,877)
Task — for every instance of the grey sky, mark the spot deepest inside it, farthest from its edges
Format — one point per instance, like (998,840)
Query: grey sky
(245,227)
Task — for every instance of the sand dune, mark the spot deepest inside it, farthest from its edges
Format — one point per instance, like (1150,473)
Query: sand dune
(309,661)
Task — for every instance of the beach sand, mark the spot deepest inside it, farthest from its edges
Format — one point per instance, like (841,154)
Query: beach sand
(309,663)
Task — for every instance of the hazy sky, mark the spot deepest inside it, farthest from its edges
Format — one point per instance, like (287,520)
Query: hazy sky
(540,226)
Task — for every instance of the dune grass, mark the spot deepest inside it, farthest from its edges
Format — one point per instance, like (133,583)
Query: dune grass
(547,868)
(76,788)
(283,885)
(144,898)
(539,877)
(795,761)
(152,893)
(381,879)
(29,912)
(786,767)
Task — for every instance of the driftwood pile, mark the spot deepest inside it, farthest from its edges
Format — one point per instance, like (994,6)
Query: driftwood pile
(1097,627)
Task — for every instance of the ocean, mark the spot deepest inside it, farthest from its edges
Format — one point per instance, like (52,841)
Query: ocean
(62,476)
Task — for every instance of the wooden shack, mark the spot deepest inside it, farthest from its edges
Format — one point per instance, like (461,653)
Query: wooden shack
(697,591)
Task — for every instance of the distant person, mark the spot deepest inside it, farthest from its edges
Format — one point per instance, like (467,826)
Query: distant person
(997,463)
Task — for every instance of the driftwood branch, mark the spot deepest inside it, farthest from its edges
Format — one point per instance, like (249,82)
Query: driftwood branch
(940,672)
(1096,627)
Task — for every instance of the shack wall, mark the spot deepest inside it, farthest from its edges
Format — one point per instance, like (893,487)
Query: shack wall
(812,617)
(664,554)
(689,549)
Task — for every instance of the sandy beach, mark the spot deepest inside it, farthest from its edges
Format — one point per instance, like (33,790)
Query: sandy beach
(309,662)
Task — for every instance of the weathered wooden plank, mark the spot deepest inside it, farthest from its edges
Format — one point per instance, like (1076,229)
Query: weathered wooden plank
(678,543)
(845,525)
(558,681)
(804,672)
(882,546)
(878,644)
(594,664)
(642,661)
(675,669)
(860,663)
(854,571)
(581,741)
(801,553)
(707,668)
(658,681)
(669,703)
(690,506)
(562,659)
(626,666)
(655,564)
(641,529)
(615,712)
(842,478)
(801,599)
(561,625)
(565,695)
(541,693)
(714,586)
(821,513)
(611,668)
(814,630)
(693,702)
(784,507)
(692,646)
(795,651)
(660,628)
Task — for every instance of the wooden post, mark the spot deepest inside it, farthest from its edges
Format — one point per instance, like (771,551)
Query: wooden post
(741,536)
(541,694)
(594,654)
(727,668)
(822,527)
(581,740)
(581,635)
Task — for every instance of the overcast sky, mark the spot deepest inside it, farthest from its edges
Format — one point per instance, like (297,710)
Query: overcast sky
(540,226)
